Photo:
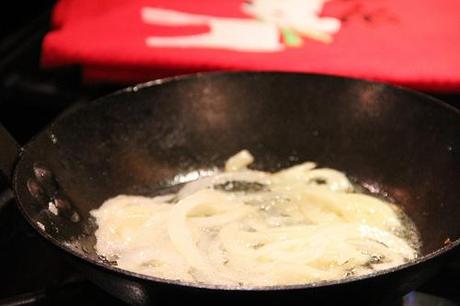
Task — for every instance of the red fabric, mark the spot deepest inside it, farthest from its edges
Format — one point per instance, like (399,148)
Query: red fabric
(406,42)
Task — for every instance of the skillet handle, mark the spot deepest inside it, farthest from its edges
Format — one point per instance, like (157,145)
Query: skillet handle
(9,152)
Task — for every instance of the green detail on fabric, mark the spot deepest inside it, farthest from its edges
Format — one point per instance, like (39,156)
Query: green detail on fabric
(291,38)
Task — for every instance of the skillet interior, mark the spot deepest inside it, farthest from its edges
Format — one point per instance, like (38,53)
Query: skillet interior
(138,140)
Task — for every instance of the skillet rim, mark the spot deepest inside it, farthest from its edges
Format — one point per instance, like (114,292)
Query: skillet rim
(425,98)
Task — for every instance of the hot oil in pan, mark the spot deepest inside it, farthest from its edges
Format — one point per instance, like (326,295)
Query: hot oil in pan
(210,228)
(408,231)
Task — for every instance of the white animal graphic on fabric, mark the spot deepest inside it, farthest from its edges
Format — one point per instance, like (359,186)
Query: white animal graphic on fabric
(293,19)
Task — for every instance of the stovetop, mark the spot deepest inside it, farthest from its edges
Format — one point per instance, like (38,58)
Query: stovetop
(35,273)
(32,271)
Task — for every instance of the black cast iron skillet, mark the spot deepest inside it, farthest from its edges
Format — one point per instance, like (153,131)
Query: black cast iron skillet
(141,139)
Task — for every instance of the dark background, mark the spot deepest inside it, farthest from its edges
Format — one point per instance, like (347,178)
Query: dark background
(29,96)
